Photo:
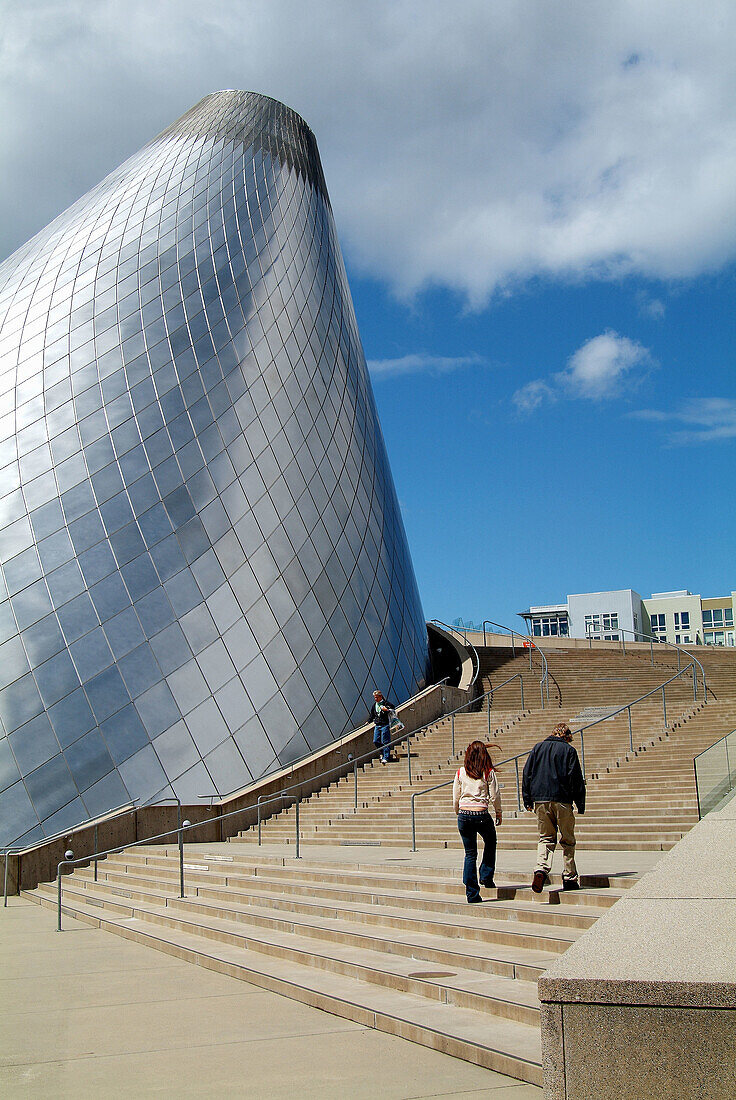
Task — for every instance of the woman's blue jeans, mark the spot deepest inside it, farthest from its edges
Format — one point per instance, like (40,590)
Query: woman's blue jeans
(469,827)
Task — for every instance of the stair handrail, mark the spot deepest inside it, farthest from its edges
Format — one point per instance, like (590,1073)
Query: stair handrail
(652,638)
(596,722)
(376,750)
(532,645)
(475,659)
(184,827)
(92,823)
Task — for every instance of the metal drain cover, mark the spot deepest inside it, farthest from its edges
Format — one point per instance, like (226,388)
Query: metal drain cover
(432,974)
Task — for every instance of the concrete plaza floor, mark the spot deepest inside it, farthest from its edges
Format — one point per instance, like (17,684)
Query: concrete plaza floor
(87,1014)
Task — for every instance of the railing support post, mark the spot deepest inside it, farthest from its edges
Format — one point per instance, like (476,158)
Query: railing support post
(259,819)
(58,898)
(518,784)
(651,651)
(489,715)
(355,777)
(5,883)
(582,753)
(530,656)
(452,726)
(298,856)
(413,825)
(678,658)
(180,832)
(521,681)
(96,849)
(631,736)
(697,791)
(408,756)
(623,643)
(664,707)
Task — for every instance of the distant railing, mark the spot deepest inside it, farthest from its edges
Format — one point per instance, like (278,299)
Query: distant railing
(596,722)
(525,641)
(652,639)
(715,773)
(474,658)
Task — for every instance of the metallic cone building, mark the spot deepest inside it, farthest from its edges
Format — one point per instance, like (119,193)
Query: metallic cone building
(204,568)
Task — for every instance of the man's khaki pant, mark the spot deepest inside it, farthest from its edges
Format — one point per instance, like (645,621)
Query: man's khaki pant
(551,817)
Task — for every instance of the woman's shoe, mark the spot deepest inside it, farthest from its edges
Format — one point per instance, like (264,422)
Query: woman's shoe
(474,901)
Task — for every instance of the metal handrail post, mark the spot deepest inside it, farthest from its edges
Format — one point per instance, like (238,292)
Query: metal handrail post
(96,849)
(355,776)
(259,819)
(678,658)
(651,651)
(408,756)
(697,791)
(582,753)
(413,825)
(489,716)
(180,831)
(298,856)
(452,726)
(521,682)
(5,886)
(631,735)
(695,686)
(518,784)
(664,707)
(58,898)
(513,645)
(531,647)
(623,644)
(541,692)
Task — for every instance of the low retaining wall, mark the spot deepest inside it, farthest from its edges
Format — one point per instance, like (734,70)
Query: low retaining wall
(39,864)
(644,1004)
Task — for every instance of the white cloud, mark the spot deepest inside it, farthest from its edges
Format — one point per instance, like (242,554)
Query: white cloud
(603,367)
(532,395)
(653,308)
(709,420)
(425,364)
(472,145)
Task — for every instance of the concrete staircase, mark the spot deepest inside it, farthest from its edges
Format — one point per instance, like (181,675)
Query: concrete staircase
(362,928)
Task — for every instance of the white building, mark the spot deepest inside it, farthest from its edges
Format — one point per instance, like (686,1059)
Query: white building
(679,617)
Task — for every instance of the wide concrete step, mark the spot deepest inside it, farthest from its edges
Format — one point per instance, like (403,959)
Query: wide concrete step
(593,892)
(522,911)
(494,1041)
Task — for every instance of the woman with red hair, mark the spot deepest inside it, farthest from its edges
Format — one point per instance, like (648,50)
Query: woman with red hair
(473,790)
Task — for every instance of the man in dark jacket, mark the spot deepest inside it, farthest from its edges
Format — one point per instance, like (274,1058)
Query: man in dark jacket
(552,781)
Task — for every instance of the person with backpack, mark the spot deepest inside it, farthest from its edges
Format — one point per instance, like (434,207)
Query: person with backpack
(474,791)
(551,782)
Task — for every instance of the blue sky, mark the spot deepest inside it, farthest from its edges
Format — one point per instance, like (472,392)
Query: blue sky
(506,506)
(537,206)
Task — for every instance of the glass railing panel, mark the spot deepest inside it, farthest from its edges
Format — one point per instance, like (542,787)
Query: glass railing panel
(715,773)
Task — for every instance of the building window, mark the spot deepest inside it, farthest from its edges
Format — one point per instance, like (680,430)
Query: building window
(657,623)
(550,626)
(599,626)
(717,618)
(682,620)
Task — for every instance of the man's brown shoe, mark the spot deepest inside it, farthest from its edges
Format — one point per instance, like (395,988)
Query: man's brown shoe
(540,878)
